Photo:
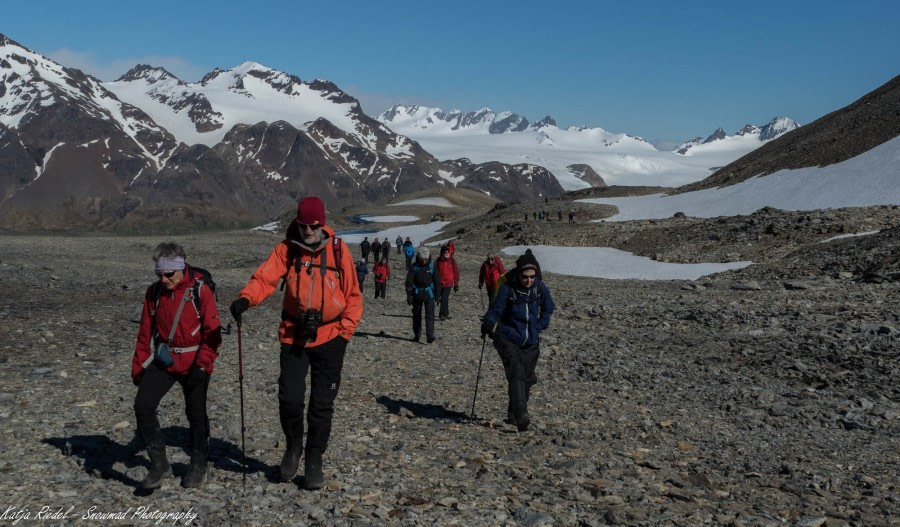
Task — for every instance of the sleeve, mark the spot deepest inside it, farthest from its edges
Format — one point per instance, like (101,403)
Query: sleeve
(547,308)
(409,281)
(210,331)
(350,287)
(481,274)
(438,284)
(143,345)
(265,278)
(502,269)
(495,310)
(455,272)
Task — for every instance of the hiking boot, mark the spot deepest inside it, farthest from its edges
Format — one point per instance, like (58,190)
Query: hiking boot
(289,462)
(313,478)
(431,339)
(510,415)
(442,318)
(196,472)
(156,451)
(520,411)
(416,338)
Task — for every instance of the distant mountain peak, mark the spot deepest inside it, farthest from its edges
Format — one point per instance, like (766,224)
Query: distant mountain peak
(152,74)
(777,126)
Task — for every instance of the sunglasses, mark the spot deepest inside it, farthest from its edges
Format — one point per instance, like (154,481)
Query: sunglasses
(527,276)
(167,274)
(303,226)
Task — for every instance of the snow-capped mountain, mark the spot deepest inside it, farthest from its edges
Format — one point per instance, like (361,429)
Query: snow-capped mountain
(615,158)
(236,148)
(751,136)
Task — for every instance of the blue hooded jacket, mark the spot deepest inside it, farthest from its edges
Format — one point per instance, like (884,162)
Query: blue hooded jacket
(522,319)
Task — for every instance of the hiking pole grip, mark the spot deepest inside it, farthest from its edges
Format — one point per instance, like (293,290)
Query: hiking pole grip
(478,377)
(241,384)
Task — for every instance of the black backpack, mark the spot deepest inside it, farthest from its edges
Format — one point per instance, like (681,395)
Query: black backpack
(200,277)
(423,279)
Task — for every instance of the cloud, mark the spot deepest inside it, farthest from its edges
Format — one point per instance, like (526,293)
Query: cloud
(89,63)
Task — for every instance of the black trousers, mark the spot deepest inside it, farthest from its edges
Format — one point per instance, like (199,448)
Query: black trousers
(325,362)
(155,384)
(417,305)
(380,289)
(519,363)
(445,302)
(492,294)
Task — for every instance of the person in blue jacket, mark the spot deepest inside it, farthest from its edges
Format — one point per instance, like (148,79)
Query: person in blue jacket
(362,271)
(514,320)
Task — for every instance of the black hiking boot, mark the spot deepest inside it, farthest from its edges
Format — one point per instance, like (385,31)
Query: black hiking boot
(416,338)
(196,472)
(510,415)
(313,478)
(431,339)
(156,450)
(290,462)
(521,416)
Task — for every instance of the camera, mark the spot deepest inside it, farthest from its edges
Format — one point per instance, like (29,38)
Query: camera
(310,322)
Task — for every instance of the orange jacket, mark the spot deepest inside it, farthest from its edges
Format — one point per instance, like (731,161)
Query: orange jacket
(335,294)
(201,330)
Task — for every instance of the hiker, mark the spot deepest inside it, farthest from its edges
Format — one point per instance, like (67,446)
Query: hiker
(522,308)
(399,242)
(534,214)
(422,282)
(452,248)
(449,272)
(572,216)
(362,270)
(376,250)
(381,272)
(559,214)
(385,248)
(410,252)
(176,343)
(364,248)
(321,309)
(491,271)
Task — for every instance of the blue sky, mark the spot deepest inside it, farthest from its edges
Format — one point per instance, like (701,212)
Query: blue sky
(665,71)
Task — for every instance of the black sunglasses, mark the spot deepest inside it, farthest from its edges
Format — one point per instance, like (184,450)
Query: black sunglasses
(167,274)
(303,226)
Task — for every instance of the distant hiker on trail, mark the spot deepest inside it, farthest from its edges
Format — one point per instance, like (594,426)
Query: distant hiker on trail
(449,272)
(559,214)
(178,341)
(491,271)
(422,283)
(376,250)
(572,216)
(381,273)
(321,309)
(364,247)
(410,252)
(362,270)
(534,214)
(385,249)
(522,308)
(399,242)
(526,216)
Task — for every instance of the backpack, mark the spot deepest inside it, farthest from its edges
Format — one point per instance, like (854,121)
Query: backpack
(200,277)
(293,261)
(423,279)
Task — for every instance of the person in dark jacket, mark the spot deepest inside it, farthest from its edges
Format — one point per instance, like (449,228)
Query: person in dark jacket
(362,270)
(399,242)
(385,249)
(522,309)
(423,285)
(376,250)
(177,342)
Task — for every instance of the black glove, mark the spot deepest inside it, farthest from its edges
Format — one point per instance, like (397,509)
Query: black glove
(237,307)
(137,380)
(487,328)
(456,289)
(409,300)
(480,286)
(195,376)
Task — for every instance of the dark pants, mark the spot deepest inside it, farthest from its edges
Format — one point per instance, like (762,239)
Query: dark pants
(326,362)
(154,385)
(360,281)
(409,260)
(380,289)
(417,317)
(519,363)
(445,302)
(492,294)
(376,255)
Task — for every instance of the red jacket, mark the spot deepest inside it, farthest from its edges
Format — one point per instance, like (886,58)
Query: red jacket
(194,329)
(338,298)
(490,274)
(452,248)
(382,272)
(448,270)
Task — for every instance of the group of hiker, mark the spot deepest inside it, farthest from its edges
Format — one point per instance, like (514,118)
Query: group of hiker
(180,334)
(545,215)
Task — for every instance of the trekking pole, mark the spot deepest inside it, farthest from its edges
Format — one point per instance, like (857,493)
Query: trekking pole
(241,381)
(482,299)
(478,377)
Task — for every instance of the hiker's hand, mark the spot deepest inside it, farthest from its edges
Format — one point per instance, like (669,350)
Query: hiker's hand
(487,328)
(196,376)
(456,289)
(480,286)
(237,307)
(136,380)
(409,300)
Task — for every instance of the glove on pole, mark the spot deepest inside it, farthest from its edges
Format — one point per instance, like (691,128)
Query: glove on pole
(478,378)
(241,380)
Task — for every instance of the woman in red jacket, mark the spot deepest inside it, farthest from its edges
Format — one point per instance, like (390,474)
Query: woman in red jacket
(491,271)
(178,342)
(449,272)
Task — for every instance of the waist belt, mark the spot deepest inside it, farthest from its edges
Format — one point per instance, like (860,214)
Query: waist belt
(291,318)
(184,350)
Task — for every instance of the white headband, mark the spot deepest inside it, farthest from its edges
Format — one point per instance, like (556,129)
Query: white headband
(170,264)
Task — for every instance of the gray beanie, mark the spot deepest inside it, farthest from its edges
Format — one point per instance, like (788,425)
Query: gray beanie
(423,253)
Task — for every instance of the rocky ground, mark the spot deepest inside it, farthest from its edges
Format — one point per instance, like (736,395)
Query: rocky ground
(761,397)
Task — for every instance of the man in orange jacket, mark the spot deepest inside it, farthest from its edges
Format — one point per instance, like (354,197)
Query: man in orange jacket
(322,307)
